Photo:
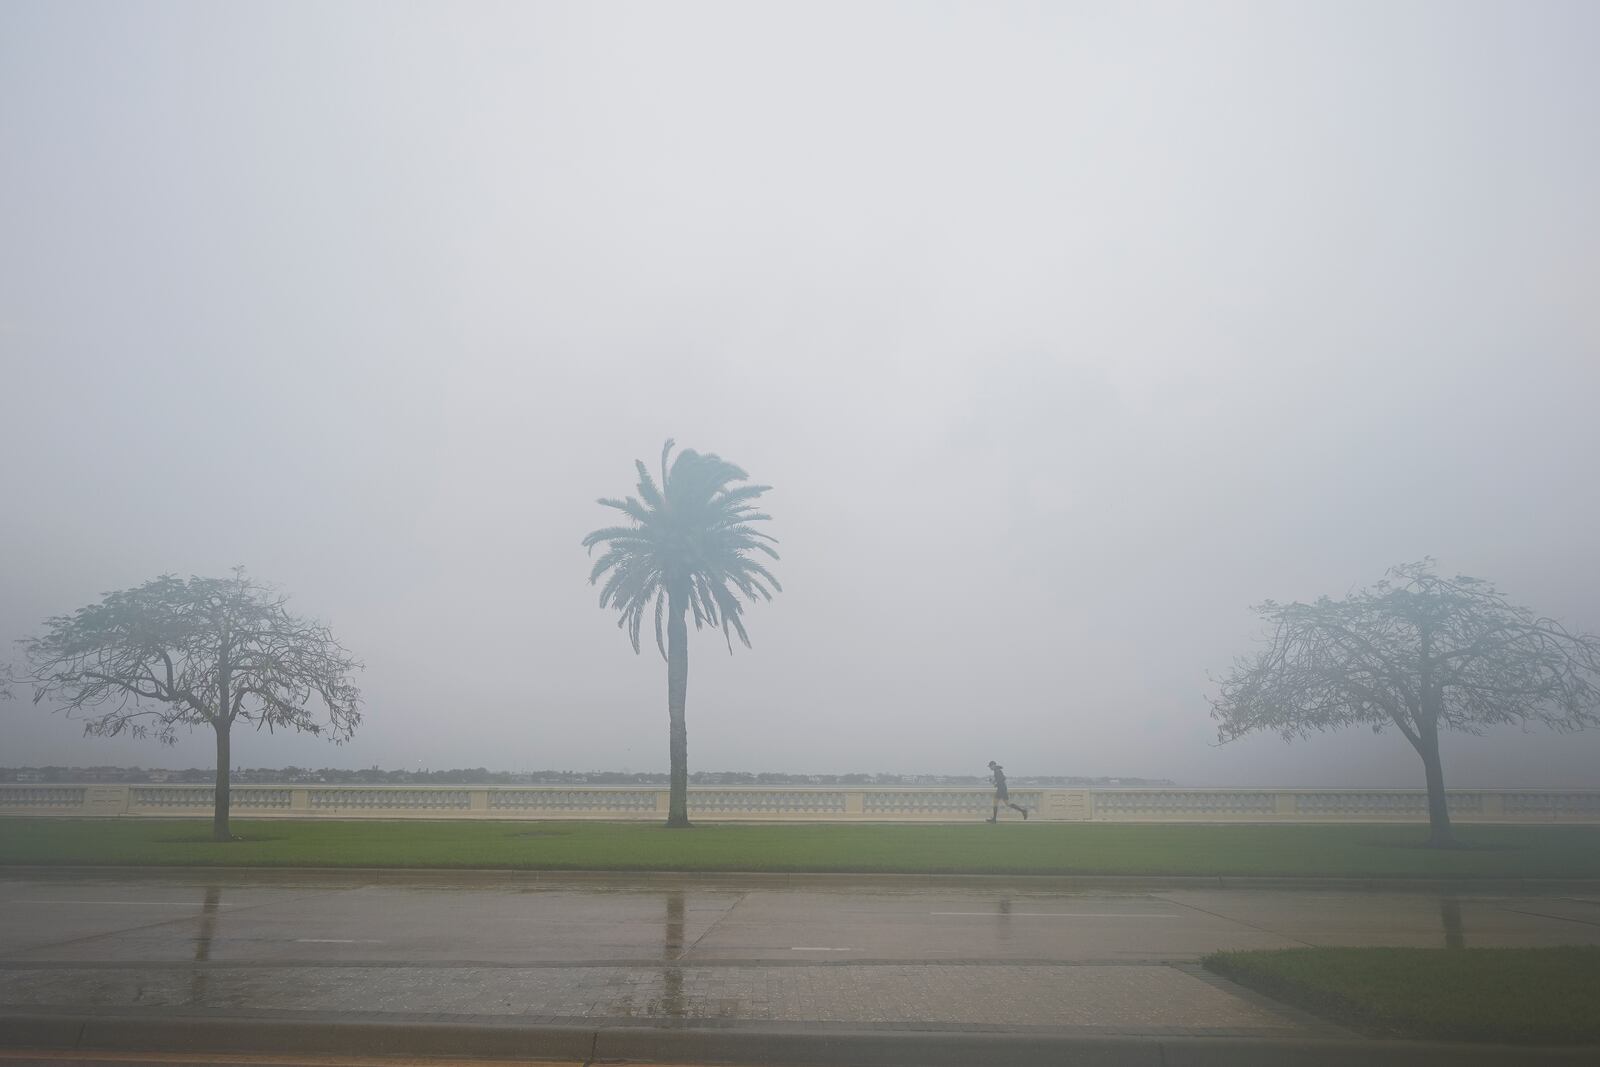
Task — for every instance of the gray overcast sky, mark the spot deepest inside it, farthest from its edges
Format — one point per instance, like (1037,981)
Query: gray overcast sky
(1064,332)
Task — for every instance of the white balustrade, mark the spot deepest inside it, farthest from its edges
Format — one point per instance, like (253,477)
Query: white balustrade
(41,796)
(1377,803)
(766,802)
(392,799)
(262,798)
(1554,805)
(823,804)
(203,797)
(174,797)
(924,803)
(605,800)
(1150,803)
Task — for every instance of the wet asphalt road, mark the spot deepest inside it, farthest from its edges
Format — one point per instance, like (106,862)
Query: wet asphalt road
(512,919)
(977,956)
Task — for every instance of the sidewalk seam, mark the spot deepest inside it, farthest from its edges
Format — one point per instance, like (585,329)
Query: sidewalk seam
(1176,881)
(799,1046)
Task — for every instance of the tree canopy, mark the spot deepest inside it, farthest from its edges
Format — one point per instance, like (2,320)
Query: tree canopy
(690,538)
(1419,652)
(179,653)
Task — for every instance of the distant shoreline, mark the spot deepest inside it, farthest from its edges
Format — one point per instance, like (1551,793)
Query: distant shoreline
(482,776)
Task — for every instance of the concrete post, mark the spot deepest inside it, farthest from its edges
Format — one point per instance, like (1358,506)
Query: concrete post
(106,799)
(1065,805)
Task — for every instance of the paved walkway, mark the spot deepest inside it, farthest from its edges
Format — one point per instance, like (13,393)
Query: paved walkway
(1099,999)
(668,951)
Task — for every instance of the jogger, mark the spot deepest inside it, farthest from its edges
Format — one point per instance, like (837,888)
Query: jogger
(1001,795)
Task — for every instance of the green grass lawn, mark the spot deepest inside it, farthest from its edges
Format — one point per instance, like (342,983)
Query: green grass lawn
(1032,848)
(1512,995)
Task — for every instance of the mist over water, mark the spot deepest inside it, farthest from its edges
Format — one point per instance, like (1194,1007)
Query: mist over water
(1063,334)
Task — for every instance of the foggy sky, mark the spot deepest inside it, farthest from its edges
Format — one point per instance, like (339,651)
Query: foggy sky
(1064,333)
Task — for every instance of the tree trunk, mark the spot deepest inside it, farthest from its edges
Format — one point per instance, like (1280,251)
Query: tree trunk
(219,810)
(677,693)
(1439,835)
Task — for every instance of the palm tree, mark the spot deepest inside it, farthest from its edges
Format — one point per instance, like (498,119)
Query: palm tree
(689,551)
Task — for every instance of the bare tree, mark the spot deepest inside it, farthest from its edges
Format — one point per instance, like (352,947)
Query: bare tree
(1419,652)
(176,653)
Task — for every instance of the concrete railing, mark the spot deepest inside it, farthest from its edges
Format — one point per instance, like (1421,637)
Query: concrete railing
(801,804)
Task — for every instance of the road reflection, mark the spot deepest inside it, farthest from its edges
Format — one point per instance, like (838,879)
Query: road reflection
(672,1004)
(1455,935)
(210,908)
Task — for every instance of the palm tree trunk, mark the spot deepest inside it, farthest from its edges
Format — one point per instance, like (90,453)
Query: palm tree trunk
(219,809)
(677,694)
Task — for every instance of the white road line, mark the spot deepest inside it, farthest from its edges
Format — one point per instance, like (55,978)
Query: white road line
(128,903)
(337,941)
(815,948)
(1061,914)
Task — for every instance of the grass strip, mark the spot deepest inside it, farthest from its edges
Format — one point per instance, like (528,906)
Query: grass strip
(1345,851)
(1548,996)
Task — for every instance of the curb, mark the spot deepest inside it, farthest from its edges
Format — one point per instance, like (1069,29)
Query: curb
(1060,881)
(776,1047)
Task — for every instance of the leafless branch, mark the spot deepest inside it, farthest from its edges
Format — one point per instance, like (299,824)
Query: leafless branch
(1417,650)
(188,652)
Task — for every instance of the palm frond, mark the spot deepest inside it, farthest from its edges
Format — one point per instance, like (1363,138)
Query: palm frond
(616,534)
(691,548)
(661,610)
(728,498)
(647,486)
(636,510)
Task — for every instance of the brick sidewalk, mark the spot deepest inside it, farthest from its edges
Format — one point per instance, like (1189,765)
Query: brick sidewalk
(1099,998)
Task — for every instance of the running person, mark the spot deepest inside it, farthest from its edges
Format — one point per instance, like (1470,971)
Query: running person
(1001,795)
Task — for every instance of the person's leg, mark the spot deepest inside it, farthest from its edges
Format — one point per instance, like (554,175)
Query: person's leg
(994,816)
(1020,808)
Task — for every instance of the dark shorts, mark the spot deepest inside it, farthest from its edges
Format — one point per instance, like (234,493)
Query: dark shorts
(1000,793)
